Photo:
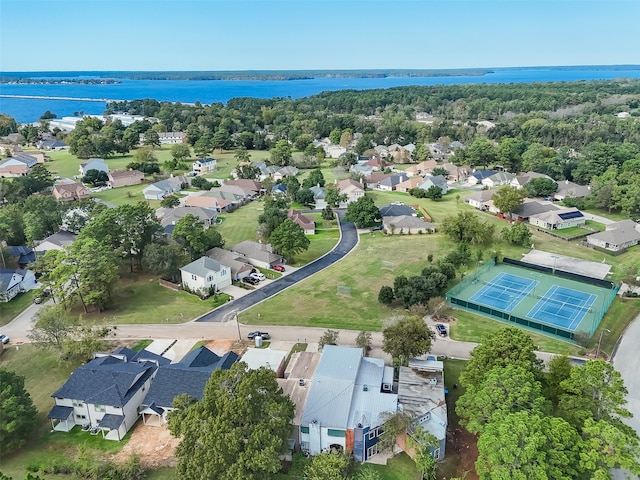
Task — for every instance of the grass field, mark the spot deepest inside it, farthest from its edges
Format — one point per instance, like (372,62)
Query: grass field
(9,310)
(142,300)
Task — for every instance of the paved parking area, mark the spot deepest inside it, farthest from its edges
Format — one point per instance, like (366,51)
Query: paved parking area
(568,264)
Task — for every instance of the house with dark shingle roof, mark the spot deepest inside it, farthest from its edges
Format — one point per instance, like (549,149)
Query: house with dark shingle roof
(479,175)
(437,181)
(257,254)
(189,376)
(106,393)
(397,209)
(205,275)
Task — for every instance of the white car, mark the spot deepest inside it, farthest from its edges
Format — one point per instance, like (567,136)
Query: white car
(258,276)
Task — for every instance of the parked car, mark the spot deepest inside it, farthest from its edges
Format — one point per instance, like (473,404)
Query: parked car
(4,339)
(375,228)
(258,333)
(250,280)
(258,276)
(278,268)
(441,329)
(46,292)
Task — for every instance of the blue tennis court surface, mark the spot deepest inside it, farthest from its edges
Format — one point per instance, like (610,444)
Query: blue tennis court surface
(505,291)
(563,307)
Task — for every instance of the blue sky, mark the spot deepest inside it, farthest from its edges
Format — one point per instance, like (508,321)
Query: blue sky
(69,35)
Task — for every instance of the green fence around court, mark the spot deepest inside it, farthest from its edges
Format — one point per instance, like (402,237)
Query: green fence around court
(460,297)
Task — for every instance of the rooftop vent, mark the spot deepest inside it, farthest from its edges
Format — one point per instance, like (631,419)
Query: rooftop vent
(301,382)
(365,388)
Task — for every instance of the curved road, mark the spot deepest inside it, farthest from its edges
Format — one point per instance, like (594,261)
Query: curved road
(348,240)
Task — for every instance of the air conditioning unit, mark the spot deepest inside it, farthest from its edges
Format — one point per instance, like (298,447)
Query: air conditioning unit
(301,382)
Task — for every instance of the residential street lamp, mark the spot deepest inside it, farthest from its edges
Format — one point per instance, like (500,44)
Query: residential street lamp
(600,341)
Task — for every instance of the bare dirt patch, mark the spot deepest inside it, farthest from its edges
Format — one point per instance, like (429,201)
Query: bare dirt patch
(154,445)
(222,346)
(462,453)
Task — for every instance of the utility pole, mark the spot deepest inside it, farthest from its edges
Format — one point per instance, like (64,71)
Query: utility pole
(238,324)
(600,340)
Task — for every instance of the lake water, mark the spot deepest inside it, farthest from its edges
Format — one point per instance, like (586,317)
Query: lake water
(210,91)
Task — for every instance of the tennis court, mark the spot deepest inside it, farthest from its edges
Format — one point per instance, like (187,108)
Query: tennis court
(505,291)
(555,303)
(563,307)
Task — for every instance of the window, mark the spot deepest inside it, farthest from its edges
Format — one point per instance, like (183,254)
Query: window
(371,451)
(336,433)
(373,433)
(304,429)
(81,417)
(77,403)
(436,453)
(193,277)
(100,408)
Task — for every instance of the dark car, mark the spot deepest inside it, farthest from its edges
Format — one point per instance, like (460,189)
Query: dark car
(376,228)
(251,280)
(278,268)
(441,329)
(258,333)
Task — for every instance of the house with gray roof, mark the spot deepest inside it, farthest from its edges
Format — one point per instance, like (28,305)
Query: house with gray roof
(406,225)
(521,180)
(171,216)
(164,188)
(569,189)
(498,179)
(479,175)
(523,212)
(105,393)
(93,164)
(389,184)
(205,276)
(52,144)
(397,209)
(57,241)
(558,219)
(348,398)
(437,181)
(239,268)
(617,237)
(480,199)
(257,254)
(319,197)
(188,376)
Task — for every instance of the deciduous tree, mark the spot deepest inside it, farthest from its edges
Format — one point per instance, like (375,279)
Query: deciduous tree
(281,153)
(329,337)
(508,198)
(288,239)
(164,260)
(517,234)
(96,177)
(363,212)
(51,328)
(465,227)
(19,415)
(407,337)
(248,422)
(180,151)
(190,232)
(327,466)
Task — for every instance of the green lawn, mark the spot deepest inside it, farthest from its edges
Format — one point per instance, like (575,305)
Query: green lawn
(619,315)
(471,328)
(241,224)
(226,162)
(142,300)
(322,242)
(615,216)
(124,195)
(597,225)
(9,310)
(567,233)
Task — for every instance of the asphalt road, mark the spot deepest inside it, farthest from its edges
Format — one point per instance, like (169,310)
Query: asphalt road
(348,240)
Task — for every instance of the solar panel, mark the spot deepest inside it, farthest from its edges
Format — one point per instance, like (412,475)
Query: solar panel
(570,215)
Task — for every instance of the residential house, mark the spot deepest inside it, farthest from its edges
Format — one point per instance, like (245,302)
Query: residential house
(10,281)
(124,178)
(239,268)
(17,166)
(205,165)
(295,384)
(274,360)
(397,209)
(188,376)
(57,241)
(334,151)
(406,225)
(456,173)
(375,178)
(524,212)
(164,188)
(68,192)
(352,189)
(169,217)
(252,185)
(319,197)
(288,171)
(479,199)
(421,168)
(377,163)
(382,151)
(279,189)
(410,184)
(27,281)
(257,254)
(558,219)
(171,138)
(205,276)
(348,398)
(521,180)
(617,236)
(243,193)
(389,184)
(40,157)
(498,179)
(437,181)
(569,189)
(307,224)
(93,164)
(52,144)
(212,202)
(478,175)
(23,255)
(361,169)
(105,393)
(421,396)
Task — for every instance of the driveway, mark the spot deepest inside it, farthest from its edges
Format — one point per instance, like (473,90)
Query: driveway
(627,362)
(17,328)
(348,240)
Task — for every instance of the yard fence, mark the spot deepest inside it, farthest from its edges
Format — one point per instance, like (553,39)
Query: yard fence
(173,286)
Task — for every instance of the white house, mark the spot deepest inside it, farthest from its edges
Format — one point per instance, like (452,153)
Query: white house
(10,281)
(617,236)
(105,394)
(205,165)
(558,219)
(479,199)
(497,179)
(163,188)
(437,181)
(205,275)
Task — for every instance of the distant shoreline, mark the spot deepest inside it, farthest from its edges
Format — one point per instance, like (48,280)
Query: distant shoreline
(101,77)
